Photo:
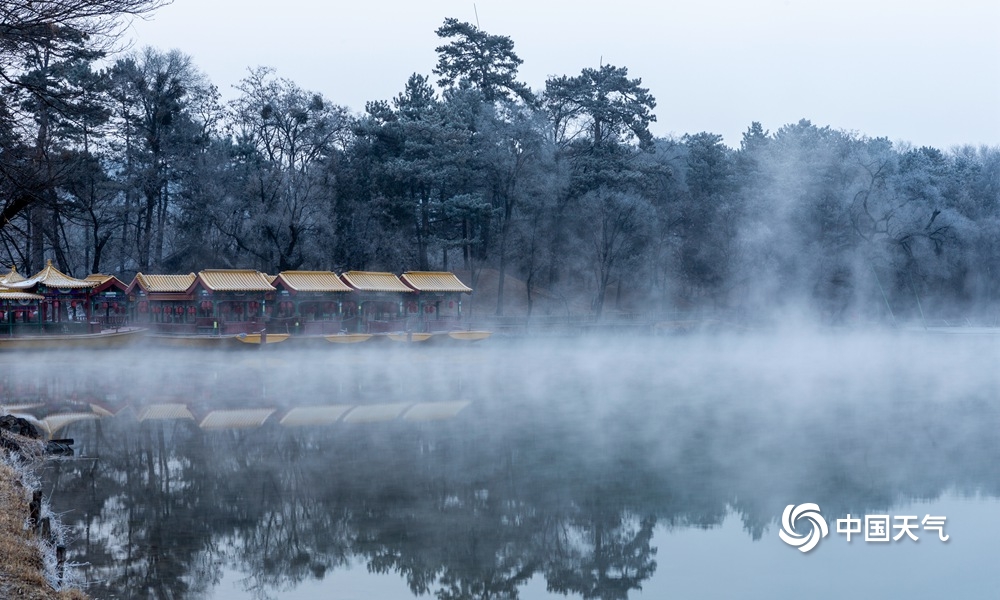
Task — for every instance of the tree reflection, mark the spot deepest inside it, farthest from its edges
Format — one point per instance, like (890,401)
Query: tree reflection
(605,557)
(470,543)
(510,489)
(142,514)
(170,505)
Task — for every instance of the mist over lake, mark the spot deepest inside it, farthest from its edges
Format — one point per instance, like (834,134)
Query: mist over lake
(594,466)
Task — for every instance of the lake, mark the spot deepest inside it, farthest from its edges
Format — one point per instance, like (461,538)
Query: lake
(592,467)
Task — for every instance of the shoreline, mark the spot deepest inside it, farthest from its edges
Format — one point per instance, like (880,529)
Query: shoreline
(28,568)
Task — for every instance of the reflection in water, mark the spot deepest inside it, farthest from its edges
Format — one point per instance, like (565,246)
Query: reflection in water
(515,462)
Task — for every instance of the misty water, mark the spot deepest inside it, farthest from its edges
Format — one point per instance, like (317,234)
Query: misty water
(618,467)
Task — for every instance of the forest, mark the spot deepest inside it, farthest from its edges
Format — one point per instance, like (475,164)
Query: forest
(124,162)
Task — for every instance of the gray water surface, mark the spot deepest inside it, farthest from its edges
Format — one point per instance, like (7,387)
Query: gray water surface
(593,468)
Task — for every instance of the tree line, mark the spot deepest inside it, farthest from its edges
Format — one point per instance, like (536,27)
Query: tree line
(137,164)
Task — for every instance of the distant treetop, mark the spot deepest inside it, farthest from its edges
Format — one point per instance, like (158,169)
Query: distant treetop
(480,60)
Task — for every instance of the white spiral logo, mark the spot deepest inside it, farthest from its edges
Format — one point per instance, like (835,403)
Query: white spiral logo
(817,531)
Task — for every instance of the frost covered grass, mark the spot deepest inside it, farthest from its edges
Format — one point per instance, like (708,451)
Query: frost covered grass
(28,566)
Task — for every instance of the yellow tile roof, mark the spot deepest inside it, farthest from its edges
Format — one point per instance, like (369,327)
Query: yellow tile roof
(314,415)
(11,277)
(53,278)
(21,407)
(368,281)
(434,411)
(163,412)
(8,294)
(313,281)
(235,280)
(434,281)
(236,419)
(54,423)
(164,283)
(100,278)
(373,413)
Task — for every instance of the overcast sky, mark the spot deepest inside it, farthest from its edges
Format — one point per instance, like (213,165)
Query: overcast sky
(919,71)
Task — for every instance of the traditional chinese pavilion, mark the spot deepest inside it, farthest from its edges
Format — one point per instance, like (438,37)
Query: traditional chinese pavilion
(439,298)
(19,312)
(382,301)
(234,299)
(65,302)
(311,302)
(108,300)
(11,276)
(163,303)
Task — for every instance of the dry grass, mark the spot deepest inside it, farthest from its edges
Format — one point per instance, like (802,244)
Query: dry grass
(21,571)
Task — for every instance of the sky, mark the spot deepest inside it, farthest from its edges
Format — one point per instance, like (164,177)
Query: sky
(919,72)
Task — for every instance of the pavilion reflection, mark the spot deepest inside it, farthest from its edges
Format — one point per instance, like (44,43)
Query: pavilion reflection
(249,394)
(467,487)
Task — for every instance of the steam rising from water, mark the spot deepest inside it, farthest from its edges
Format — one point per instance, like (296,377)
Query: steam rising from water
(543,439)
